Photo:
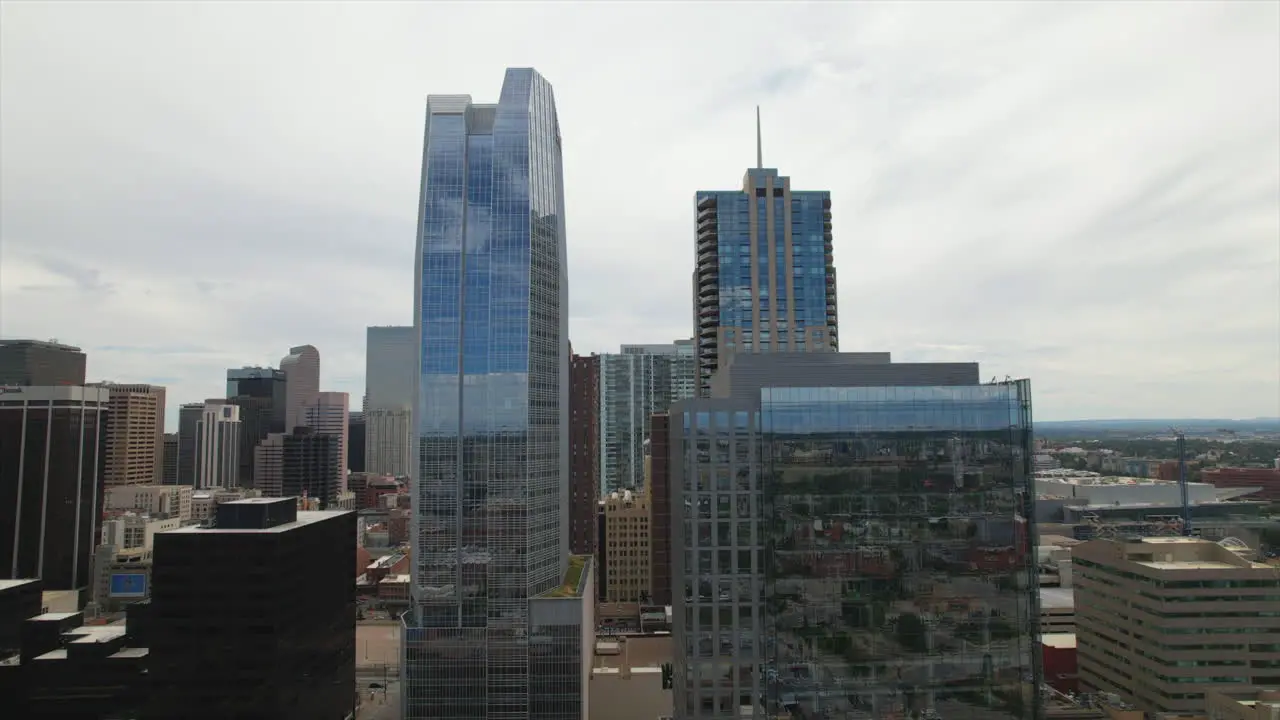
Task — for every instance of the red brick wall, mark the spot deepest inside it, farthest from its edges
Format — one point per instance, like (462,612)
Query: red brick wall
(584,455)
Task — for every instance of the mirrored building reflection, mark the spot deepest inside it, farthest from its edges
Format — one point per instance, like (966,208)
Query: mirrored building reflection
(850,540)
(498,612)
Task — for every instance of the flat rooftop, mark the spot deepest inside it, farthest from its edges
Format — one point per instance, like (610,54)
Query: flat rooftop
(305,517)
(1062,641)
(7,584)
(1052,598)
(642,652)
(1189,565)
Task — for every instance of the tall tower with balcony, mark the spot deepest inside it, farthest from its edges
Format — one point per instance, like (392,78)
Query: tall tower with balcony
(764,277)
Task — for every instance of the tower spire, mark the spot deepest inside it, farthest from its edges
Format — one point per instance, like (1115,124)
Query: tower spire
(759,142)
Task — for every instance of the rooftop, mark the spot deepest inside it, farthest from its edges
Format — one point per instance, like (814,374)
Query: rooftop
(572,578)
(1059,640)
(305,517)
(7,584)
(1054,598)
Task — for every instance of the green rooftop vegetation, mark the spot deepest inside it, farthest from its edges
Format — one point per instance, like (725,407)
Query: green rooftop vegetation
(572,577)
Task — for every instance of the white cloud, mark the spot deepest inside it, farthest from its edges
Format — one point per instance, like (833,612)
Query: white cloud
(1084,193)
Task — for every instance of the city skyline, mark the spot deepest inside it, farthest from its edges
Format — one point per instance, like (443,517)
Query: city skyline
(982,209)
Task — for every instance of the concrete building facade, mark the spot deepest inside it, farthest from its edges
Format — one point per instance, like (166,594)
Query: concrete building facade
(388,446)
(217,446)
(301,368)
(159,500)
(628,553)
(1161,621)
(391,355)
(134,434)
(327,414)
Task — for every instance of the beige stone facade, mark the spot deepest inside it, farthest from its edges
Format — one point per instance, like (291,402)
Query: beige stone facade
(628,558)
(1163,621)
(134,435)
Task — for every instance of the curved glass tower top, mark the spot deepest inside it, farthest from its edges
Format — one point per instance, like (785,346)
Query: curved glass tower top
(490,492)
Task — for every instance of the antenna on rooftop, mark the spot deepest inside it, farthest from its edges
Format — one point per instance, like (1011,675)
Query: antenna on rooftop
(759,142)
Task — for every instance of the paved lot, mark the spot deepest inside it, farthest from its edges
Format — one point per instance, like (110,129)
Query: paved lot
(377,644)
(642,652)
(383,706)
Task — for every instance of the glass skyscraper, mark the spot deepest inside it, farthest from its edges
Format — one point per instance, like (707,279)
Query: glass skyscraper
(634,384)
(764,278)
(496,629)
(856,547)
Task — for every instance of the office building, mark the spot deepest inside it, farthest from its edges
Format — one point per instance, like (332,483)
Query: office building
(261,395)
(391,357)
(635,384)
(851,536)
(134,434)
(262,382)
(584,454)
(357,436)
(285,650)
(765,278)
(189,415)
(159,500)
(627,550)
(390,360)
(309,466)
(327,414)
(268,466)
(51,459)
(301,368)
(169,463)
(256,422)
(501,612)
(40,364)
(388,446)
(1161,621)
(217,446)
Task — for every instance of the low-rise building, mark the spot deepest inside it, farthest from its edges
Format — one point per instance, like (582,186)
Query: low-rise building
(156,500)
(1161,621)
(204,503)
(135,531)
(1254,703)
(1266,480)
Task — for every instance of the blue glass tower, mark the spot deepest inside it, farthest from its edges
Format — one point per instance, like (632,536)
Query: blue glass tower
(490,527)
(764,277)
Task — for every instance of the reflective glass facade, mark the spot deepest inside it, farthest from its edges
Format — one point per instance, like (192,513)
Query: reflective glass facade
(635,384)
(765,275)
(490,490)
(856,550)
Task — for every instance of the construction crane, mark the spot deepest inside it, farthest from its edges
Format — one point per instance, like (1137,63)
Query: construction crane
(1182,481)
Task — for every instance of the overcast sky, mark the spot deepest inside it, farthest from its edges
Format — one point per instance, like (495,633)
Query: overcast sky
(1084,194)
